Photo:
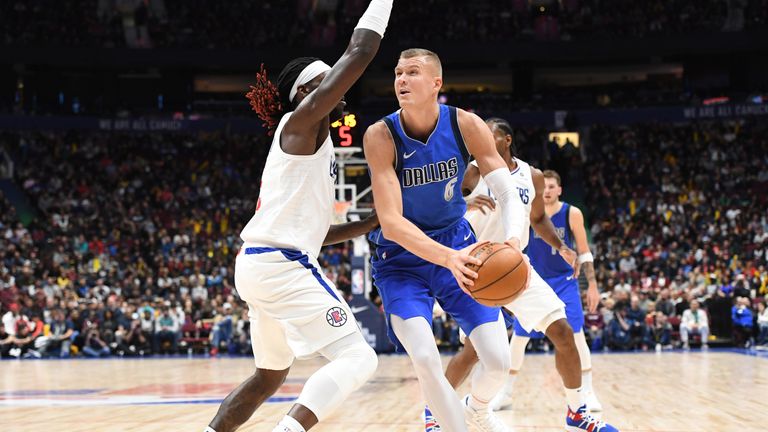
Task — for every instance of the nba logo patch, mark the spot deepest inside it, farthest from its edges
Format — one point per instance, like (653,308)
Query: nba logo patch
(336,317)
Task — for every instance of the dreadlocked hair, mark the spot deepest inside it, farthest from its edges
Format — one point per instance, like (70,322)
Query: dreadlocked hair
(265,100)
(271,101)
(504,126)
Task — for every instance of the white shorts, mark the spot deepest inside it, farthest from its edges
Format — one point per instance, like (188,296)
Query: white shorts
(293,308)
(538,306)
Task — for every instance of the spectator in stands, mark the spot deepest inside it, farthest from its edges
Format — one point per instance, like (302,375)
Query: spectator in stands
(720,312)
(664,304)
(62,332)
(24,341)
(619,337)
(137,340)
(12,317)
(595,326)
(243,333)
(222,330)
(94,345)
(636,316)
(694,321)
(762,324)
(742,322)
(166,330)
(659,331)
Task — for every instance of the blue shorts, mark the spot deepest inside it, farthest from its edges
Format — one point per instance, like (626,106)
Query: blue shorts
(410,285)
(567,289)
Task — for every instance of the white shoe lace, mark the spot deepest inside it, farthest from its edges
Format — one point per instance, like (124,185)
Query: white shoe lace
(587,417)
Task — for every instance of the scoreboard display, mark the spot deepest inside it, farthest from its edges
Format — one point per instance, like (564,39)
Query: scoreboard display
(344,128)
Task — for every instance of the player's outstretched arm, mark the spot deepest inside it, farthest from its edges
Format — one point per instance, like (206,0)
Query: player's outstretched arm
(585,259)
(479,141)
(347,231)
(542,224)
(379,152)
(361,50)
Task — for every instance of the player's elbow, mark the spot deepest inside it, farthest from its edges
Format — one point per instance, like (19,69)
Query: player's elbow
(390,232)
(537,221)
(390,228)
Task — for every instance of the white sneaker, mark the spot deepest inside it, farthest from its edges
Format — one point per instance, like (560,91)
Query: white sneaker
(483,421)
(502,400)
(593,405)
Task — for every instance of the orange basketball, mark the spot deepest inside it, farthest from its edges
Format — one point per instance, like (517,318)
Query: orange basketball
(502,275)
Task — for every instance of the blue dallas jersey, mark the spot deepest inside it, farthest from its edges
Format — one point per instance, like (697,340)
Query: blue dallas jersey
(430,174)
(546,259)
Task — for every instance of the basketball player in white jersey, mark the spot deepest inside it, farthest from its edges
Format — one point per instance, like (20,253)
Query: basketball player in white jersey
(488,224)
(294,309)
(569,222)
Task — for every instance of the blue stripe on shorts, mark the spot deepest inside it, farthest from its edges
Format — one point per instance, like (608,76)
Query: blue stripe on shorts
(300,258)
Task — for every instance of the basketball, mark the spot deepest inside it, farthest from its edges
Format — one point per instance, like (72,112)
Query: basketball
(502,275)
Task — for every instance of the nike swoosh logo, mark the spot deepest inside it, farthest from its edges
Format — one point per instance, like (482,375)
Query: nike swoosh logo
(408,155)
(467,236)
(359,309)
(569,278)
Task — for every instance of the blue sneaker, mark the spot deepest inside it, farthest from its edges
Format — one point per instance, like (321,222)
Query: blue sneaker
(581,420)
(430,424)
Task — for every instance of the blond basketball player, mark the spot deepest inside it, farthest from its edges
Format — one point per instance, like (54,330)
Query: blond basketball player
(294,309)
(488,223)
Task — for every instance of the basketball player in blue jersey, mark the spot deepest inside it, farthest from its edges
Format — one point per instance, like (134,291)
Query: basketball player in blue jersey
(417,157)
(294,310)
(486,220)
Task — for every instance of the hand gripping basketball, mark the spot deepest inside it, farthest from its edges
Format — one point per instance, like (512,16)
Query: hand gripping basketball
(460,264)
(503,275)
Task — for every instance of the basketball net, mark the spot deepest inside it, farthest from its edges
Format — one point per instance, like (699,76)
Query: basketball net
(340,209)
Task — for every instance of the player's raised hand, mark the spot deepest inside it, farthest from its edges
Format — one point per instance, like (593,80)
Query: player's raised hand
(481,202)
(457,262)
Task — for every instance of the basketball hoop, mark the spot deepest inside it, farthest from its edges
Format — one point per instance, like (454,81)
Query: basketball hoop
(340,209)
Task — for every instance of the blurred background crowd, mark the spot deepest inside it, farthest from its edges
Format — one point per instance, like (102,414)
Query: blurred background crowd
(121,240)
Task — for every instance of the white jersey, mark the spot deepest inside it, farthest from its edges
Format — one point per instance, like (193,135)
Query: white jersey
(489,226)
(295,206)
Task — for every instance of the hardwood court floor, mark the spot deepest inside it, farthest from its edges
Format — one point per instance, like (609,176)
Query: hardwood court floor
(669,392)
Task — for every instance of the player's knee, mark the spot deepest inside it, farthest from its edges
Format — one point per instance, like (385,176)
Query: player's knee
(360,361)
(561,334)
(269,380)
(425,361)
(467,357)
(369,362)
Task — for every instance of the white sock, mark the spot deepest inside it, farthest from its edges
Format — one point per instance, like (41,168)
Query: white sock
(288,424)
(586,381)
(509,384)
(575,398)
(209,429)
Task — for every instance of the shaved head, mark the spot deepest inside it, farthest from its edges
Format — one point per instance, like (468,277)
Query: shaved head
(429,57)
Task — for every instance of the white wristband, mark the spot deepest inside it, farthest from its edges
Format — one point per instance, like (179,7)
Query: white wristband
(586,257)
(376,16)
